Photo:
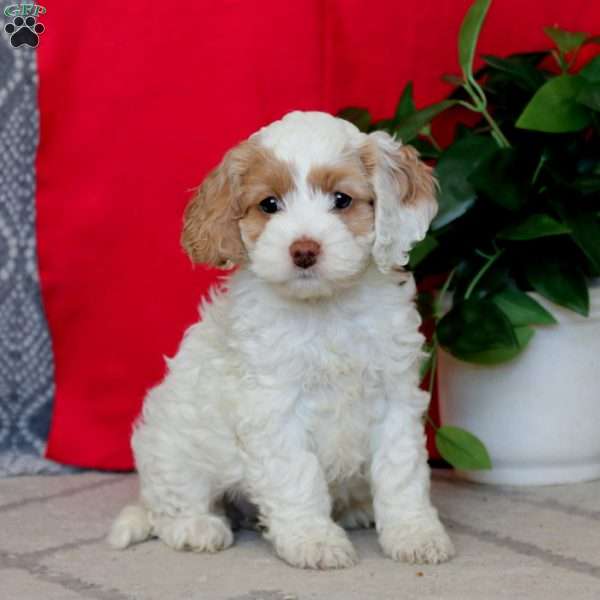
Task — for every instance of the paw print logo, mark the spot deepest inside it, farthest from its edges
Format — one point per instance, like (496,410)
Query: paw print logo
(24,31)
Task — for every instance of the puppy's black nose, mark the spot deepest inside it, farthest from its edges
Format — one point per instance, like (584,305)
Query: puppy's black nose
(304,252)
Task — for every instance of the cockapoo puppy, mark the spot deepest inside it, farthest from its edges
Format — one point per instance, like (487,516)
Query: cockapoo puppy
(299,388)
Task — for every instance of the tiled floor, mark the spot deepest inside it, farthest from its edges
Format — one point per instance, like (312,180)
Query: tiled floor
(512,543)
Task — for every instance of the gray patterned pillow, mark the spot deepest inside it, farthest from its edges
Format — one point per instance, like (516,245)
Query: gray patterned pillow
(26,368)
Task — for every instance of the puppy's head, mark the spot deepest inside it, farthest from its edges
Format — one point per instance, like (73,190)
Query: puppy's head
(308,201)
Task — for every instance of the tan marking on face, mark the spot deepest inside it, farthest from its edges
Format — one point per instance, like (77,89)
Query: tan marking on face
(349,177)
(359,218)
(253,224)
(266,176)
(229,197)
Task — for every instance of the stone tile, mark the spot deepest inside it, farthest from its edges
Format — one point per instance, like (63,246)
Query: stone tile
(516,517)
(20,585)
(249,571)
(19,489)
(512,543)
(64,519)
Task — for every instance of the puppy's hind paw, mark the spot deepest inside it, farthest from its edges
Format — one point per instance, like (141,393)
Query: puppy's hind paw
(356,518)
(328,548)
(130,527)
(427,544)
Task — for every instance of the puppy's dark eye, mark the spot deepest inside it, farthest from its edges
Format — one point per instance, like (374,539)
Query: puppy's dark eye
(341,200)
(269,205)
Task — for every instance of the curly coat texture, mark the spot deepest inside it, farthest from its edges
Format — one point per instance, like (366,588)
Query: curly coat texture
(299,389)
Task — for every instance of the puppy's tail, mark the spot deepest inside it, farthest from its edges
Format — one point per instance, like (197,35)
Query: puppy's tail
(130,527)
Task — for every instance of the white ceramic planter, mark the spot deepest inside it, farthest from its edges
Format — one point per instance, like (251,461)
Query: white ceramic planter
(538,415)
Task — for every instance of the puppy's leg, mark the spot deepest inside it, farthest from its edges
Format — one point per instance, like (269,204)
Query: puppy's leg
(183,507)
(353,504)
(408,525)
(185,467)
(286,482)
(182,523)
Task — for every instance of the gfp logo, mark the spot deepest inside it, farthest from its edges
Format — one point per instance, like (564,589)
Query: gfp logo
(24,29)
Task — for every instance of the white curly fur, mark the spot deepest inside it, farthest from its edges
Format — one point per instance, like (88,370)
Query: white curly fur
(300,393)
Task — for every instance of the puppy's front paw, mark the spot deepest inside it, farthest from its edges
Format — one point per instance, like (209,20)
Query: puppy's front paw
(206,533)
(419,542)
(324,547)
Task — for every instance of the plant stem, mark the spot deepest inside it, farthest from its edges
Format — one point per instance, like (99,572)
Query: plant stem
(491,260)
(538,168)
(434,143)
(482,254)
(499,136)
(559,57)
(437,313)
(430,421)
(433,368)
(476,92)
(437,304)
(479,105)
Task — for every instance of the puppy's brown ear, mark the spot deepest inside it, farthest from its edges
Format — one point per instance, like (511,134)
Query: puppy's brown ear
(210,224)
(405,200)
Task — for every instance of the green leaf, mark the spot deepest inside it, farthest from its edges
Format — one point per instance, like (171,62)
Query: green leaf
(595,39)
(388,125)
(590,95)
(356,115)
(498,356)
(585,229)
(554,107)
(478,331)
(462,449)
(456,163)
(409,127)
(587,184)
(469,32)
(497,178)
(566,41)
(425,149)
(406,105)
(453,80)
(425,301)
(559,281)
(523,335)
(521,309)
(525,75)
(534,226)
(591,71)
(421,250)
(494,278)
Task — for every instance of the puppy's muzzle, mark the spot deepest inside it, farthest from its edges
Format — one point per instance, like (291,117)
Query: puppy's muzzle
(304,253)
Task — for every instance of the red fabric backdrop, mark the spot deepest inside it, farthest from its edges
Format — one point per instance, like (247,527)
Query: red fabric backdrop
(138,100)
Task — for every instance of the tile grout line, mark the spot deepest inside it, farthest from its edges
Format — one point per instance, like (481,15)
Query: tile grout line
(63,494)
(520,497)
(526,548)
(30,563)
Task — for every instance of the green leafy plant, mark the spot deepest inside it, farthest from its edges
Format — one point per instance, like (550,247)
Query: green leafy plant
(519,201)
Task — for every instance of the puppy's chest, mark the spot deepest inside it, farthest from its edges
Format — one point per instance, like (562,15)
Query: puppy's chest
(340,399)
(330,373)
